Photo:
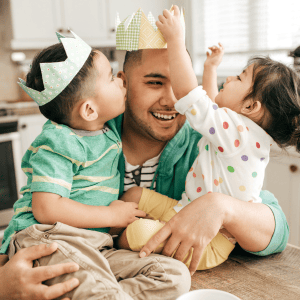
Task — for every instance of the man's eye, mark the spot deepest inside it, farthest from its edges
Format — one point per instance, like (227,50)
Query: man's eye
(238,77)
(155,82)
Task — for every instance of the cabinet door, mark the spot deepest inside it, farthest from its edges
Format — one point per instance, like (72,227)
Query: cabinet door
(88,19)
(283,180)
(30,127)
(34,21)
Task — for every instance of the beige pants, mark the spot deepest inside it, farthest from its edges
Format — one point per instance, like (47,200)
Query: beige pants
(105,273)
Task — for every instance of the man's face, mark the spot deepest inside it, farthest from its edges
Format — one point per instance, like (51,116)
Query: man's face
(150,101)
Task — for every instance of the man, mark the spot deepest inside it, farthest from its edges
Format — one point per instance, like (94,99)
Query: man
(151,128)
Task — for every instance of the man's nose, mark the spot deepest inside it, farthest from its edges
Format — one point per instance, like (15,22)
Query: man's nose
(168,98)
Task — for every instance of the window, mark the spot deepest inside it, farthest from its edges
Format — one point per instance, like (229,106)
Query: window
(245,28)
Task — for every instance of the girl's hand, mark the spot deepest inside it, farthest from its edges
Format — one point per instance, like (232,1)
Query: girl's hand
(124,213)
(214,58)
(170,25)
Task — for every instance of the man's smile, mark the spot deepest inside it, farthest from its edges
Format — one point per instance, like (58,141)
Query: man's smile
(164,116)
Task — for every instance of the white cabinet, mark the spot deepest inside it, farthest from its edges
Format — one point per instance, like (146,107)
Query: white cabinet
(29,127)
(283,180)
(35,22)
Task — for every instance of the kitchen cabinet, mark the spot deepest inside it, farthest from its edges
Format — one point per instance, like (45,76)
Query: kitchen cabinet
(29,127)
(283,180)
(34,22)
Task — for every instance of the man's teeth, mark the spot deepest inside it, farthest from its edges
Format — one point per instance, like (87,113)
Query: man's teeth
(166,117)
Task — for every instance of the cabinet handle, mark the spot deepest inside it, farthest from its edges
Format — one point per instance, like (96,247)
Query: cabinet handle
(293,168)
(69,30)
(60,30)
(23,126)
(112,30)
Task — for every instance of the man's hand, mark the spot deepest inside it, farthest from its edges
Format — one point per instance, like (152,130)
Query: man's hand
(214,58)
(124,213)
(194,226)
(170,25)
(20,281)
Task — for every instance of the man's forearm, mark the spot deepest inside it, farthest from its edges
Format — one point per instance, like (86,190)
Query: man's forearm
(252,224)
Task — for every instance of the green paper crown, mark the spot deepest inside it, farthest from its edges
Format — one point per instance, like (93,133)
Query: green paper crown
(140,32)
(56,76)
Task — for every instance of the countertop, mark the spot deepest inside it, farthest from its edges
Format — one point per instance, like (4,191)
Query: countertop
(249,277)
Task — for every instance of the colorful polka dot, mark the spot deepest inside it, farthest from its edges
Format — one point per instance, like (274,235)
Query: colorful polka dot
(225,125)
(191,169)
(254,174)
(236,143)
(220,180)
(225,109)
(206,147)
(215,106)
(199,189)
(203,176)
(262,159)
(220,149)
(209,192)
(212,130)
(230,169)
(216,182)
(244,157)
(193,112)
(242,188)
(240,128)
(257,145)
(194,174)
(247,128)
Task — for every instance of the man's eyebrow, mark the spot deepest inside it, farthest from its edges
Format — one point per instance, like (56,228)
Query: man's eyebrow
(156,75)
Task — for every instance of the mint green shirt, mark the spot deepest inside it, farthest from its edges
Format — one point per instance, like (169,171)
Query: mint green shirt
(79,165)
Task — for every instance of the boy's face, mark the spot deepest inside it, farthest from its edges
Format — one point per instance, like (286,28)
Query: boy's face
(235,90)
(110,94)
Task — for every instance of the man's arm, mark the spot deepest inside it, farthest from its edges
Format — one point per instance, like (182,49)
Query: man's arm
(20,281)
(252,224)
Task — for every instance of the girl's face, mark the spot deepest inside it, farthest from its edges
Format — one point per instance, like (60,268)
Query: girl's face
(235,90)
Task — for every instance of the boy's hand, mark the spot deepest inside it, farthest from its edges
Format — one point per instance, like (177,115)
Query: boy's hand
(215,57)
(124,213)
(170,25)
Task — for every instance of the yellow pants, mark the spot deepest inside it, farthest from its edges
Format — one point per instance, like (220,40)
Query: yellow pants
(160,207)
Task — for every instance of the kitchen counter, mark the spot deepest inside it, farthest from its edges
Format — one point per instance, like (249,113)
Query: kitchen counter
(18,108)
(250,277)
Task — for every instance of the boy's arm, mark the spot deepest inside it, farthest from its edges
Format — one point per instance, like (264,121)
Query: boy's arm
(49,208)
(183,78)
(209,79)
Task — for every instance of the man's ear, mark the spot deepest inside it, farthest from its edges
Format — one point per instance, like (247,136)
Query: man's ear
(251,107)
(88,111)
(122,75)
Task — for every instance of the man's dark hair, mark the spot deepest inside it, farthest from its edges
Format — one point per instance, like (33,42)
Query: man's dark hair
(132,58)
(277,87)
(60,108)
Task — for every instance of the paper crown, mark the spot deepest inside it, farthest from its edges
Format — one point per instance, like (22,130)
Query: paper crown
(56,76)
(139,32)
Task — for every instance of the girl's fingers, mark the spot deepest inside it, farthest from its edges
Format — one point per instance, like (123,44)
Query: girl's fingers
(167,14)
(162,19)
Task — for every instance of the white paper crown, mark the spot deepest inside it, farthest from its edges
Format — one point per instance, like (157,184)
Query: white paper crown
(139,32)
(56,76)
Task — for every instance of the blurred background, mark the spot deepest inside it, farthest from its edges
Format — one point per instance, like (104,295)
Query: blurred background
(245,28)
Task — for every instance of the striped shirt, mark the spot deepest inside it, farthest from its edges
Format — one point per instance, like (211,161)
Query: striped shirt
(140,175)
